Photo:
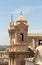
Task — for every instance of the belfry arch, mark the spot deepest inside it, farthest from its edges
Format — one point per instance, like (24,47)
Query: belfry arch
(21,37)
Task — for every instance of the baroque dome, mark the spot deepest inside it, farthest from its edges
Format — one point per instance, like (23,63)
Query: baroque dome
(21,18)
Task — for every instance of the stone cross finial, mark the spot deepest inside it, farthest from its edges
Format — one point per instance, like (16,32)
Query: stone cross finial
(21,12)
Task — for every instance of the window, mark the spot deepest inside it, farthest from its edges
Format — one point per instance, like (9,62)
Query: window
(21,37)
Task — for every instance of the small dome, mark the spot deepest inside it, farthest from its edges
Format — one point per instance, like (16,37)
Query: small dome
(21,18)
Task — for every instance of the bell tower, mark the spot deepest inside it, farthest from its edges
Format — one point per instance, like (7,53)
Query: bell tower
(18,34)
(21,30)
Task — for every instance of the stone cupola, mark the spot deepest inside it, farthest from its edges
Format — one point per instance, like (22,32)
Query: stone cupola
(21,19)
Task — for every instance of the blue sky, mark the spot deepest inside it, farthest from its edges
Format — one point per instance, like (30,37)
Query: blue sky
(32,10)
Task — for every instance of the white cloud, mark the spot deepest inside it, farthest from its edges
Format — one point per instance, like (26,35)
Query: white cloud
(4,38)
(2,33)
(35,31)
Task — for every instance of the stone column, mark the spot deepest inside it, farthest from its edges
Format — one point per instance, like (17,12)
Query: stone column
(33,42)
(37,43)
(9,63)
(15,37)
(15,62)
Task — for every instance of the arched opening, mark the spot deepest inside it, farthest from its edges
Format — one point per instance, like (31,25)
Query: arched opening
(22,37)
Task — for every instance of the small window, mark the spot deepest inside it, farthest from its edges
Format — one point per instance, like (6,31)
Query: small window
(21,37)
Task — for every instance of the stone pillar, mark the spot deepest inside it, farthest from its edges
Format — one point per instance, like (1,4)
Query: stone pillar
(9,61)
(37,43)
(15,62)
(33,42)
(16,37)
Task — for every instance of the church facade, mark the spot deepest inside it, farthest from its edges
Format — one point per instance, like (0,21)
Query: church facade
(20,39)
